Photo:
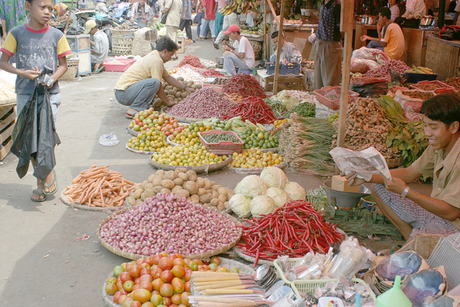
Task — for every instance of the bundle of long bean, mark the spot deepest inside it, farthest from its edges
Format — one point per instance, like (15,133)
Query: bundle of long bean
(305,143)
(293,230)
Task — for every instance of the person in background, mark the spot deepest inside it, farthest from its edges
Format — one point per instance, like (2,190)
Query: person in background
(240,55)
(209,19)
(415,10)
(99,44)
(457,12)
(289,52)
(12,14)
(141,13)
(36,44)
(174,10)
(411,212)
(231,19)
(393,43)
(186,19)
(101,7)
(199,18)
(394,8)
(219,17)
(139,84)
(153,4)
(327,48)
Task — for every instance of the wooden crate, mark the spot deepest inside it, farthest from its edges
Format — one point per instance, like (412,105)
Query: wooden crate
(7,120)
(285,82)
(181,42)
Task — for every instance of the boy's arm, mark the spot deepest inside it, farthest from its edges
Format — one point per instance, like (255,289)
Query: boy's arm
(6,66)
(62,68)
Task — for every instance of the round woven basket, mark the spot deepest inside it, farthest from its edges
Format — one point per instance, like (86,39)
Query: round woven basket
(254,171)
(242,255)
(225,262)
(198,169)
(132,256)
(132,132)
(142,152)
(187,120)
(67,202)
(168,139)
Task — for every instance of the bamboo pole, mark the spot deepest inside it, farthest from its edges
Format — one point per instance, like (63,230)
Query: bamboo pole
(346,26)
(278,51)
(68,18)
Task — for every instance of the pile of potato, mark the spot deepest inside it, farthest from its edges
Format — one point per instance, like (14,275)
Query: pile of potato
(175,94)
(182,182)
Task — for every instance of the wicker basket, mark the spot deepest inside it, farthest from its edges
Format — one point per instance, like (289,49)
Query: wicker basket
(122,41)
(72,68)
(67,202)
(198,169)
(132,256)
(254,171)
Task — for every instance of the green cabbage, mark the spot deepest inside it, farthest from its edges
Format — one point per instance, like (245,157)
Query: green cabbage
(251,186)
(295,190)
(279,196)
(240,205)
(288,101)
(274,177)
(262,204)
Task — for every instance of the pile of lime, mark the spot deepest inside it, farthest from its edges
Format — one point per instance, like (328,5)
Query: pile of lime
(254,158)
(149,140)
(194,155)
(189,136)
(258,138)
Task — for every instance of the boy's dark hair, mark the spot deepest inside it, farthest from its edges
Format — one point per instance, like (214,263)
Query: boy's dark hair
(385,12)
(444,108)
(166,43)
(275,34)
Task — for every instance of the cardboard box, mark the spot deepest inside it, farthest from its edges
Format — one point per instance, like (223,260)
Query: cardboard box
(340,183)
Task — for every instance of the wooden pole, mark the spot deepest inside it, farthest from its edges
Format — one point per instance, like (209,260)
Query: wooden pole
(68,18)
(266,39)
(346,26)
(278,50)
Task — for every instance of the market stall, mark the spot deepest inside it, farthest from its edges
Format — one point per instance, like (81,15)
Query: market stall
(443,56)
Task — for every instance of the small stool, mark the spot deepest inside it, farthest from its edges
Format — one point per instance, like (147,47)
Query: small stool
(246,71)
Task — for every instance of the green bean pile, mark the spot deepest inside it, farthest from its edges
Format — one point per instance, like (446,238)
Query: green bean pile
(218,137)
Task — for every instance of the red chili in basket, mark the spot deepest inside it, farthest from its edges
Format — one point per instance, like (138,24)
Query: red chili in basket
(253,109)
(293,230)
(245,86)
(191,60)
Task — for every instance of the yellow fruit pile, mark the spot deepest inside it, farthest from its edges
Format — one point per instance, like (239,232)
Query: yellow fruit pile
(195,155)
(189,136)
(148,141)
(255,158)
(278,123)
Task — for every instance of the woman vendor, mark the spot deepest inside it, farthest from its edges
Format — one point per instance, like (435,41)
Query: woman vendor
(411,212)
(138,85)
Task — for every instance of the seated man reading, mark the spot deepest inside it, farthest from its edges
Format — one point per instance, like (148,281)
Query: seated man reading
(138,85)
(393,42)
(289,52)
(411,212)
(240,55)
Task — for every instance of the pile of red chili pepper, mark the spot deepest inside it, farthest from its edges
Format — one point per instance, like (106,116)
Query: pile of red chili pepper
(191,60)
(211,73)
(253,109)
(245,86)
(294,230)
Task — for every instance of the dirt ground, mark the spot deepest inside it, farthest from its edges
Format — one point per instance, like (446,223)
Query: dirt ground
(43,262)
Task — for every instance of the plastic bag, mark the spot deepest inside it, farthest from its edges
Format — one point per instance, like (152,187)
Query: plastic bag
(362,65)
(109,139)
(373,54)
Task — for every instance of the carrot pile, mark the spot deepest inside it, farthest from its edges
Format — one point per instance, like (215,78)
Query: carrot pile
(99,187)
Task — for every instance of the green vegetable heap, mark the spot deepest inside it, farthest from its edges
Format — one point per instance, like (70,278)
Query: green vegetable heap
(215,138)
(257,138)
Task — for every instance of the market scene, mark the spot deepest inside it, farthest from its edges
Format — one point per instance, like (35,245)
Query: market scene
(229,153)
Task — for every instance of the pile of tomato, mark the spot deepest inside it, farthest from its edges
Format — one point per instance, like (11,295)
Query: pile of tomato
(152,120)
(160,280)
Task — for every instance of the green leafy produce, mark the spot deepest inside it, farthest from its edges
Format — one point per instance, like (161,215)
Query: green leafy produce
(215,138)
(304,109)
(258,138)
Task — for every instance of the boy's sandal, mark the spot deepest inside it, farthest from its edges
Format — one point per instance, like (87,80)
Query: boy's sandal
(99,70)
(41,197)
(48,185)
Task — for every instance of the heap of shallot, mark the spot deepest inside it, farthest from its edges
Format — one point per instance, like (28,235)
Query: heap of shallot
(169,223)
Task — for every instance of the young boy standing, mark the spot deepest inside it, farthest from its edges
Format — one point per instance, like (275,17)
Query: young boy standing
(35,45)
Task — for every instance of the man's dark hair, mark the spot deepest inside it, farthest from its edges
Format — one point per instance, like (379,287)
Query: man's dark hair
(166,43)
(98,24)
(275,34)
(444,108)
(385,12)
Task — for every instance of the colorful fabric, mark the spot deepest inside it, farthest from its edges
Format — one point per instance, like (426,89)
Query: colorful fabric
(13,12)
(420,219)
(329,21)
(35,48)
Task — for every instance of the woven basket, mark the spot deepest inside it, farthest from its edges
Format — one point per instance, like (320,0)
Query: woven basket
(67,202)
(242,255)
(72,68)
(132,256)
(254,171)
(122,42)
(198,169)
(394,162)
(132,132)
(142,152)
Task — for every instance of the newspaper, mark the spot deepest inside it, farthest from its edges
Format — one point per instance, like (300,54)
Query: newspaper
(364,163)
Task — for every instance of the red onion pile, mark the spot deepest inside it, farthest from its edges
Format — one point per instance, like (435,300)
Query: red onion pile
(211,73)
(384,70)
(204,103)
(191,60)
(169,223)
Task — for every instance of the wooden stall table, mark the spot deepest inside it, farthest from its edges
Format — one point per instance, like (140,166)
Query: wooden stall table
(443,57)
(7,120)
(360,30)
(285,82)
